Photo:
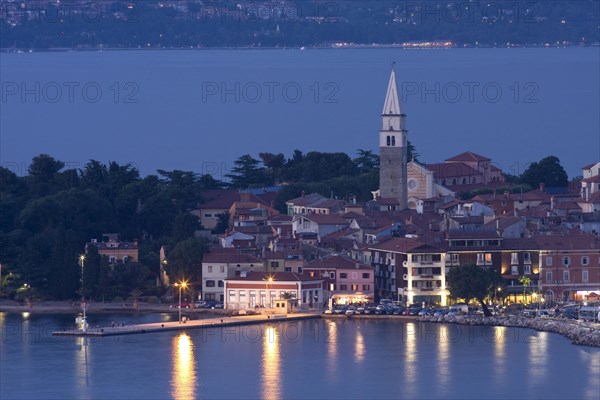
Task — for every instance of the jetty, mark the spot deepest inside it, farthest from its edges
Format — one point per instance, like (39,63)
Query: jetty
(186,324)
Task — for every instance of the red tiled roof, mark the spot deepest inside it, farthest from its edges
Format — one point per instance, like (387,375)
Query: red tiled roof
(568,242)
(452,169)
(468,156)
(399,245)
(276,276)
(337,262)
(326,219)
(229,257)
(592,179)
(589,165)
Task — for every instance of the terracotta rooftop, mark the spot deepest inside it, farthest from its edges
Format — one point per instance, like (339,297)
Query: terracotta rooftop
(568,242)
(453,169)
(396,244)
(276,277)
(229,257)
(468,156)
(337,262)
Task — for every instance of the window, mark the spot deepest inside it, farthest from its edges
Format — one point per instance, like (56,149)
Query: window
(548,276)
(585,276)
(220,283)
(514,258)
(566,276)
(514,270)
(331,287)
(366,275)
(112,259)
(332,275)
(343,275)
(288,269)
(354,287)
(527,258)
(388,141)
(566,261)
(311,274)
(209,268)
(393,140)
(207,215)
(210,283)
(480,258)
(366,287)
(232,296)
(354,275)
(222,269)
(343,287)
(274,264)
(585,260)
(527,269)
(299,270)
(548,260)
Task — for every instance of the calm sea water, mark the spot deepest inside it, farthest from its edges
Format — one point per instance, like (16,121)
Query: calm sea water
(342,359)
(200,110)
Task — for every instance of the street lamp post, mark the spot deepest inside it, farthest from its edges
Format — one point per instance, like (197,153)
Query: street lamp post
(182,285)
(84,322)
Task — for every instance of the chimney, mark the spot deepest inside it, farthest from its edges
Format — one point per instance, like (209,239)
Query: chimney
(303,193)
(542,186)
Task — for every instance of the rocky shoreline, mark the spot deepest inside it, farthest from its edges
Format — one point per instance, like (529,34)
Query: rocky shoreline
(584,334)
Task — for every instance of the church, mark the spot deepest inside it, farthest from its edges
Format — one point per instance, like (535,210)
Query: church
(403,184)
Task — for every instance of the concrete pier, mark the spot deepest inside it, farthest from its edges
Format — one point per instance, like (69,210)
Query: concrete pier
(189,324)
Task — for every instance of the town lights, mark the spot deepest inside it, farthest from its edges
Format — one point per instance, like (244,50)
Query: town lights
(181,285)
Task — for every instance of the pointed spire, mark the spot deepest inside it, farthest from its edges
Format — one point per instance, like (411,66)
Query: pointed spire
(392,101)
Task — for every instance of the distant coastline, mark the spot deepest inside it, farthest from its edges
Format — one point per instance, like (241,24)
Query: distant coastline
(295,48)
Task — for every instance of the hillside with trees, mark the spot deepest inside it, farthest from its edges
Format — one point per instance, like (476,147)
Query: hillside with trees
(50,214)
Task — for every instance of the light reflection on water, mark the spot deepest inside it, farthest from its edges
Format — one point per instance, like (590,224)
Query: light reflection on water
(410,359)
(443,358)
(344,359)
(183,379)
(499,341)
(359,347)
(271,368)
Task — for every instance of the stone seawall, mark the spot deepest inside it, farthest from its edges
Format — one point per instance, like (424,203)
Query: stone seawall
(584,334)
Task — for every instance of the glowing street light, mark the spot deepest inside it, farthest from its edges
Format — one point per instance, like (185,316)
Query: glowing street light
(84,321)
(181,285)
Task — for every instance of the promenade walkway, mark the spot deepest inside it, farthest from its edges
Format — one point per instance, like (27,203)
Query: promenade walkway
(220,321)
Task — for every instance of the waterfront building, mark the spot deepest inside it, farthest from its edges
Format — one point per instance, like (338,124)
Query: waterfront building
(255,290)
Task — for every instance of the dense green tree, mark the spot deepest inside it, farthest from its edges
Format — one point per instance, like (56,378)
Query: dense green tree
(248,173)
(366,160)
(42,174)
(185,261)
(547,171)
(184,226)
(472,282)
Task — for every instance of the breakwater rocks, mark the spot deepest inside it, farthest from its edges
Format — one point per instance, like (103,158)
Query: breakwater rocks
(585,334)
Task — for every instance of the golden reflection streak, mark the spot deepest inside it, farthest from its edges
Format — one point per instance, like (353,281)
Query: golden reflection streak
(410,359)
(83,377)
(183,378)
(359,347)
(499,339)
(271,368)
(443,357)
(538,360)
(331,340)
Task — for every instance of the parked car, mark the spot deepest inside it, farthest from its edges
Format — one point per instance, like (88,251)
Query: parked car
(398,310)
(370,310)
(350,311)
(209,304)
(219,305)
(183,305)
(360,310)
(199,304)
(440,312)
